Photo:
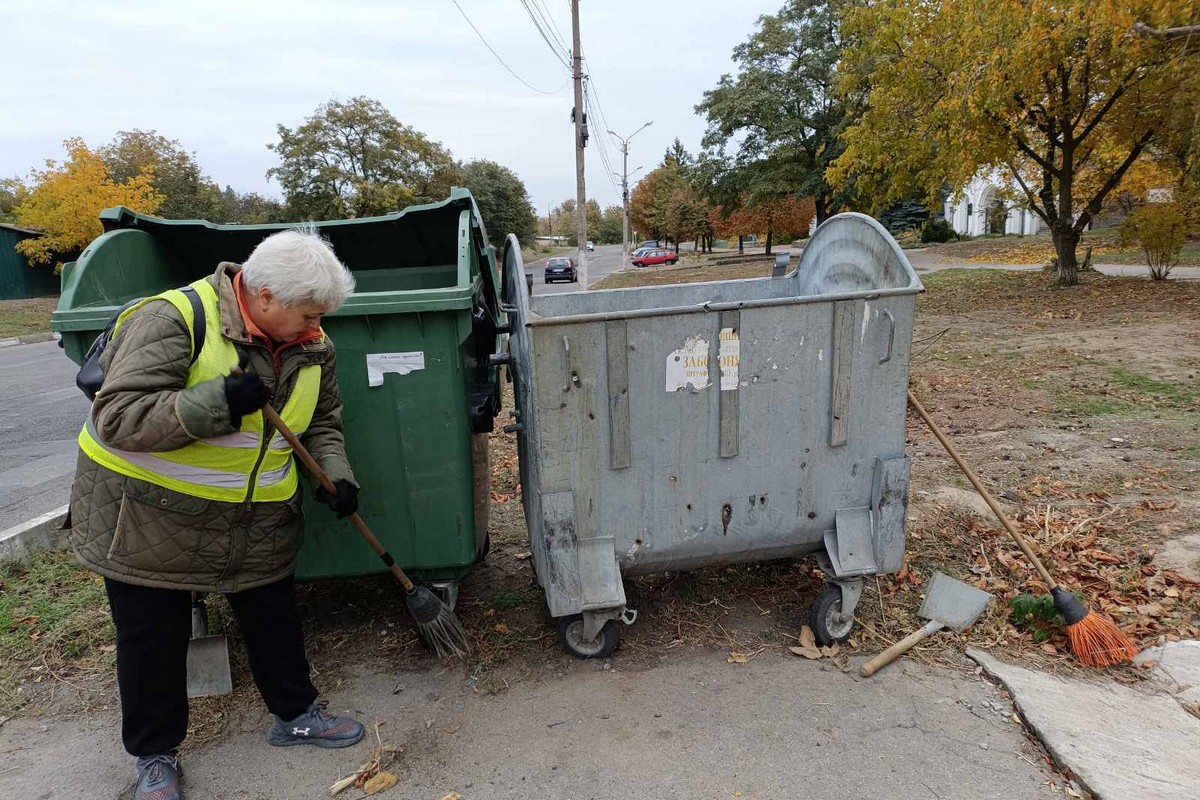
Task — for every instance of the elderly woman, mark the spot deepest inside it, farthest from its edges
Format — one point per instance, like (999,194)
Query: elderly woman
(182,487)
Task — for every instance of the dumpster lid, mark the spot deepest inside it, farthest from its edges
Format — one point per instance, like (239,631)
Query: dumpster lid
(418,236)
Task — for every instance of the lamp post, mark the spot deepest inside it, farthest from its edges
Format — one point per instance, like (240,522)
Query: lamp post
(625,173)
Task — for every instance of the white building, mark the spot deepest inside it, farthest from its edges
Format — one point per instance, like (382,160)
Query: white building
(974,211)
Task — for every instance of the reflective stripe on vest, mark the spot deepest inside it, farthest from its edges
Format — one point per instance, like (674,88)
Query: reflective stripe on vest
(218,468)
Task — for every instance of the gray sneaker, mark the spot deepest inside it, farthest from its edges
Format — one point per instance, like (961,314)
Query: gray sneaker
(316,727)
(158,777)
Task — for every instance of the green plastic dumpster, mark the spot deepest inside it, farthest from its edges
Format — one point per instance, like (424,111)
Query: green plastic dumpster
(414,363)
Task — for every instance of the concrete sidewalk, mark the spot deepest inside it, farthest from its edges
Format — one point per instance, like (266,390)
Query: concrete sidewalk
(693,727)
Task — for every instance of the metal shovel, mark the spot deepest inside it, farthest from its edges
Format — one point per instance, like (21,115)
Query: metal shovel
(948,604)
(208,656)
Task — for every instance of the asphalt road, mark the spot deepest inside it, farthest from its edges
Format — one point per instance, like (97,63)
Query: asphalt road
(41,412)
(603,261)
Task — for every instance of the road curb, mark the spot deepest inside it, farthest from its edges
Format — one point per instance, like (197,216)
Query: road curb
(32,338)
(38,534)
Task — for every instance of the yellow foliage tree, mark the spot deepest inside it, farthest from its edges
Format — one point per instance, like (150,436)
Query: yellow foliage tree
(65,202)
(1048,91)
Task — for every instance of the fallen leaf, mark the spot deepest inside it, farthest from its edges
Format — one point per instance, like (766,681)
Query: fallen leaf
(500,627)
(382,781)
(738,658)
(807,652)
(807,638)
(523,556)
(842,662)
(1150,610)
(344,783)
(452,728)
(1049,648)
(452,796)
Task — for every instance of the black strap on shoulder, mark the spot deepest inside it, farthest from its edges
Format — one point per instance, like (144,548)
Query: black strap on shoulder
(199,321)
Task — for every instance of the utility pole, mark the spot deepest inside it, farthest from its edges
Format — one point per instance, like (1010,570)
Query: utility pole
(580,143)
(625,189)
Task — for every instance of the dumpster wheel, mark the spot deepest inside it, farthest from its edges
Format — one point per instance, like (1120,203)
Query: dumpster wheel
(570,633)
(828,623)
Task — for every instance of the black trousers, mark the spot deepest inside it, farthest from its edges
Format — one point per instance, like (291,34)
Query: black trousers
(153,629)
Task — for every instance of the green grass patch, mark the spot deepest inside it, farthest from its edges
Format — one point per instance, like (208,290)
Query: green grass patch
(25,317)
(53,613)
(1090,406)
(1169,393)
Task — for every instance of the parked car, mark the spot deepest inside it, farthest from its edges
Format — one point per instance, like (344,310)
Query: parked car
(591,246)
(561,268)
(641,251)
(655,256)
(652,243)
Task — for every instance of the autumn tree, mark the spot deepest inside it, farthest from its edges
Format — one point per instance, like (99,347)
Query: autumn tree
(10,194)
(780,112)
(782,215)
(187,193)
(65,200)
(249,208)
(354,159)
(650,198)
(593,220)
(611,221)
(502,199)
(1044,91)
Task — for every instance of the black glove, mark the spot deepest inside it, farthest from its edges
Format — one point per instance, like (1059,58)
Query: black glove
(345,502)
(245,394)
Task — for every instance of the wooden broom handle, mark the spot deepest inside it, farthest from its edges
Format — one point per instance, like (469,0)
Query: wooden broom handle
(983,492)
(273,417)
(899,648)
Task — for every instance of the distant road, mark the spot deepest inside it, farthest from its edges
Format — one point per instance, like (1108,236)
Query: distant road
(603,261)
(41,412)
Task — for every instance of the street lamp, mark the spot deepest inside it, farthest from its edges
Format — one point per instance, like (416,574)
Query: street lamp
(624,140)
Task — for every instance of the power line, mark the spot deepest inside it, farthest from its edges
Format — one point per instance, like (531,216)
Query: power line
(552,24)
(558,52)
(501,60)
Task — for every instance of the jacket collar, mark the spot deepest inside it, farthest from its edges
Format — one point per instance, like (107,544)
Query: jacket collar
(233,326)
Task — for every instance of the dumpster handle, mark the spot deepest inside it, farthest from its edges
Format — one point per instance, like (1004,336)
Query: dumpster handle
(891,336)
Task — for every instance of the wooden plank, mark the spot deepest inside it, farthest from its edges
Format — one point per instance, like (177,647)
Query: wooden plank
(844,314)
(731,321)
(618,393)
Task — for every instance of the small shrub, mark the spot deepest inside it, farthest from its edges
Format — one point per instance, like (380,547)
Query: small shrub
(937,231)
(1160,230)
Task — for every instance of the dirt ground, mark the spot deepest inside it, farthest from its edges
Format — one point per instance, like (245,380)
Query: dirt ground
(1080,407)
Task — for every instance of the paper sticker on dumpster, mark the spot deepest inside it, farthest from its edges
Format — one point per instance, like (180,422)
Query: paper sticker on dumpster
(399,363)
(729,357)
(689,365)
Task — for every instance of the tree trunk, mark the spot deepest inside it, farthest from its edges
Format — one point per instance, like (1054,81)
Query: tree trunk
(741,246)
(769,233)
(1065,242)
(821,203)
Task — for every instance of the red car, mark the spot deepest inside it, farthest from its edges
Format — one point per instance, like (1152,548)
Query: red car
(653,257)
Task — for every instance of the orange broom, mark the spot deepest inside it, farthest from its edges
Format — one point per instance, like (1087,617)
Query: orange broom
(1095,639)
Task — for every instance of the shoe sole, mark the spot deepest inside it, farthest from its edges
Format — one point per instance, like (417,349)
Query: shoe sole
(326,743)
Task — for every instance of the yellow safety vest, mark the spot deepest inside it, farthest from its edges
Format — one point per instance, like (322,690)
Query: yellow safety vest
(221,468)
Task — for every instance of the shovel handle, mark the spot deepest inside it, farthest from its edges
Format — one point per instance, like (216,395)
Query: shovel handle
(302,453)
(899,648)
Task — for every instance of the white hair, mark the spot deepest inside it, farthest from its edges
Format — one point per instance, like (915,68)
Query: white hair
(298,266)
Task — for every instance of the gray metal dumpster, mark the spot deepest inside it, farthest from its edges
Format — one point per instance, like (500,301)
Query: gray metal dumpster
(674,427)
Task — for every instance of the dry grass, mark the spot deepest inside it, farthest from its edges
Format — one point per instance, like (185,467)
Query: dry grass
(692,269)
(24,317)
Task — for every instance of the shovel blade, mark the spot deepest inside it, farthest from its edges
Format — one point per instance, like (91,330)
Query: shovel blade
(208,667)
(953,603)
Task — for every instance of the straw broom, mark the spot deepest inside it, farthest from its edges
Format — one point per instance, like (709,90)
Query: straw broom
(435,621)
(1095,639)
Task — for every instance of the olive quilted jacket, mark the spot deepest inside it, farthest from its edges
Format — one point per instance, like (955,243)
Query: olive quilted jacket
(141,533)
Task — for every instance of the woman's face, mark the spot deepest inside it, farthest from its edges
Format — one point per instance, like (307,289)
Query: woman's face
(284,323)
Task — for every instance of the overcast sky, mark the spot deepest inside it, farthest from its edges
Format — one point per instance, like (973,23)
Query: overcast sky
(220,76)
